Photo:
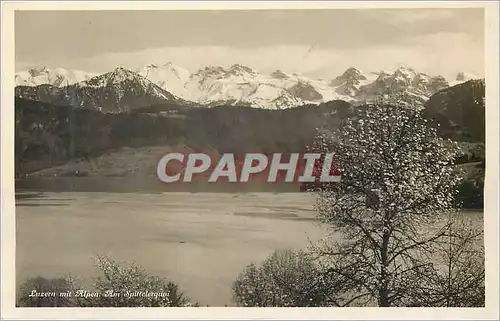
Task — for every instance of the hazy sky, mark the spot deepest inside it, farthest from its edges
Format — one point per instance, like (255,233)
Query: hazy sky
(320,43)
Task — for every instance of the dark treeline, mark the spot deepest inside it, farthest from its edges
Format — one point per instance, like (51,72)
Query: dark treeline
(47,135)
(460,111)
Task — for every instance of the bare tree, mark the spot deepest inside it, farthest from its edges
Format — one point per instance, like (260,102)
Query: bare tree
(458,279)
(398,179)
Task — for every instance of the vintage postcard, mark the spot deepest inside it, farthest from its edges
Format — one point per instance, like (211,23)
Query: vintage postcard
(320,160)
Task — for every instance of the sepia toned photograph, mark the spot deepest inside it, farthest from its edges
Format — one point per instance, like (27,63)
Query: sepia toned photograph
(248,158)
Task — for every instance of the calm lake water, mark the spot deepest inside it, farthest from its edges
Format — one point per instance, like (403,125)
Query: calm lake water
(201,241)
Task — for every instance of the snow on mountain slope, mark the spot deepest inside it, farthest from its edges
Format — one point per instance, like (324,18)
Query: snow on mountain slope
(350,82)
(117,91)
(121,81)
(56,77)
(403,80)
(169,77)
(241,85)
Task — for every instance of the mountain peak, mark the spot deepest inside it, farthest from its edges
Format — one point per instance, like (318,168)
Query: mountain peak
(57,77)
(121,90)
(214,68)
(464,76)
(154,66)
(120,73)
(404,68)
(278,74)
(35,71)
(353,73)
(351,78)
(211,71)
(238,68)
(402,77)
(120,69)
(405,72)
(305,91)
(238,84)
(115,77)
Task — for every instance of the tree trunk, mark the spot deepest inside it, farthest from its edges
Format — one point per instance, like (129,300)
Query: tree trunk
(383,293)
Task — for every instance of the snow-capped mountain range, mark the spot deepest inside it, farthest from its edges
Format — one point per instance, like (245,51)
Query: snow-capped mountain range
(56,77)
(117,91)
(235,85)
